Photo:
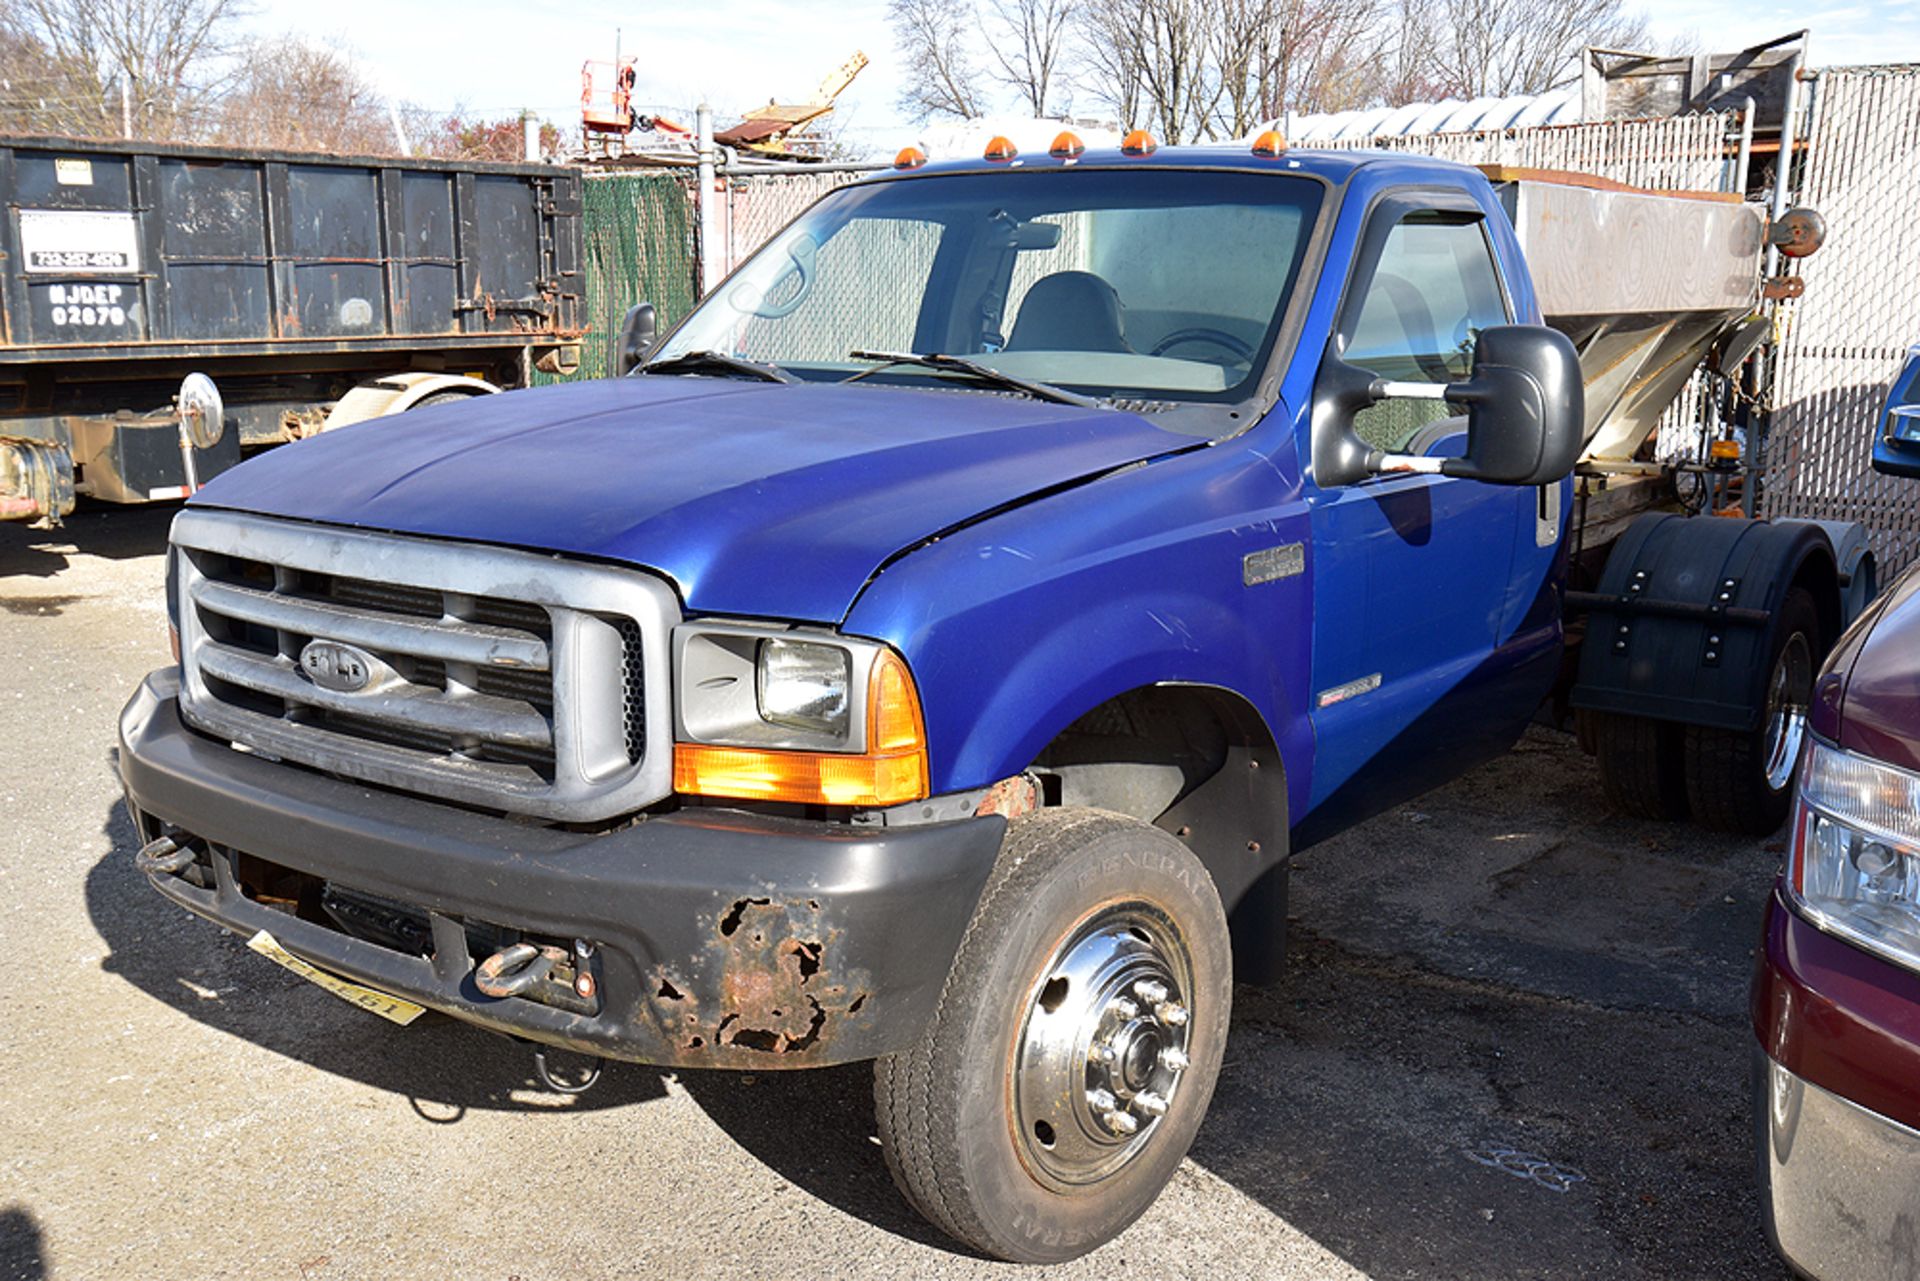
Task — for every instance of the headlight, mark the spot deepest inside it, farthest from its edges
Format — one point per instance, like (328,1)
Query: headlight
(1855,869)
(805,685)
(783,715)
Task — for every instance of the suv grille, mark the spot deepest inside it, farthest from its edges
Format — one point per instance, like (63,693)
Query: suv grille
(491,677)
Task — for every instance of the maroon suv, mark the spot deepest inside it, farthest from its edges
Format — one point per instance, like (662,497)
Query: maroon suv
(1836,995)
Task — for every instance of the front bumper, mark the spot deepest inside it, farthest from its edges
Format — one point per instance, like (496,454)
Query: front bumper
(1840,1185)
(1838,1049)
(719,938)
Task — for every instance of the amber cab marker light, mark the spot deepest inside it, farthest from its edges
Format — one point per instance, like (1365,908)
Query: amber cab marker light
(1066,146)
(1138,143)
(910,158)
(1269,144)
(1001,148)
(892,771)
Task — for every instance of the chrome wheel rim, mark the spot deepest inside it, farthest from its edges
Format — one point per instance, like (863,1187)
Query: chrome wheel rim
(1102,1045)
(1788,692)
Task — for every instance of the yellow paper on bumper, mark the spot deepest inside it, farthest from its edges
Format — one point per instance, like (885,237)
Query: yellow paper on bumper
(390,1008)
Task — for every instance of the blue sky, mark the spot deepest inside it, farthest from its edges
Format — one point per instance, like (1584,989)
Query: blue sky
(498,56)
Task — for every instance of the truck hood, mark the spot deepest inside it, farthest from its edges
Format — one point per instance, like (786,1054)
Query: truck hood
(756,499)
(1880,704)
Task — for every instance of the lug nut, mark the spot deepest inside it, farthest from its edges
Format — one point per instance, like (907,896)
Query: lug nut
(1104,1052)
(1121,1122)
(1102,1101)
(1174,1059)
(1150,1103)
(1126,1009)
(1151,991)
(1172,1013)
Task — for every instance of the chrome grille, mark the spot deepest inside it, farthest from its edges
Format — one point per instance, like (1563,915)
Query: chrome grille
(492,677)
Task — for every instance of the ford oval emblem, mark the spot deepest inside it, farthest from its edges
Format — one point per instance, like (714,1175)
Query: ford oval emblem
(341,668)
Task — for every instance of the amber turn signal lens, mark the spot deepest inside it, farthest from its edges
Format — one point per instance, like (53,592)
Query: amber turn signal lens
(894,724)
(1066,145)
(1724,450)
(1138,143)
(1001,148)
(892,771)
(910,158)
(1269,144)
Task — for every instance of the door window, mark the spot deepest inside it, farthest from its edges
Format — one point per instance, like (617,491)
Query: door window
(1432,292)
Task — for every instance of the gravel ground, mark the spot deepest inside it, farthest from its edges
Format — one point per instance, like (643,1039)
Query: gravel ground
(1511,1045)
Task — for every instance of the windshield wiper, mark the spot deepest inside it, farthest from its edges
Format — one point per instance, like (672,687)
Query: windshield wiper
(960,364)
(700,362)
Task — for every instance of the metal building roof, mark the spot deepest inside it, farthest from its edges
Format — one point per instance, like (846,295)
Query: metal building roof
(1558,106)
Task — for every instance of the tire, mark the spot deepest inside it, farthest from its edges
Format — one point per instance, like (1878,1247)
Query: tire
(1642,764)
(975,1133)
(1728,787)
(441,398)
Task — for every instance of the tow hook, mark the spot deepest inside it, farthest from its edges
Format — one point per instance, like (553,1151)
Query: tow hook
(164,856)
(547,1078)
(513,970)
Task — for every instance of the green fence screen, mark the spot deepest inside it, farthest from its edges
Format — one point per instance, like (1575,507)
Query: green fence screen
(638,231)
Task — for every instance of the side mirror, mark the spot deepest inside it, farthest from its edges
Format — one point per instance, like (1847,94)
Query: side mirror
(1525,404)
(1896,447)
(634,339)
(1526,407)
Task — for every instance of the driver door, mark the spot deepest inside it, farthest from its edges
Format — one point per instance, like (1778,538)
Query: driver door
(1412,572)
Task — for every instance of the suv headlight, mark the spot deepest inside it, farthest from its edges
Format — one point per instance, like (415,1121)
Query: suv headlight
(1855,867)
(783,715)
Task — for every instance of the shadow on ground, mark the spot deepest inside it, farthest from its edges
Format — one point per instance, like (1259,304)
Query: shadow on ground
(443,1066)
(1511,1043)
(94,529)
(23,1252)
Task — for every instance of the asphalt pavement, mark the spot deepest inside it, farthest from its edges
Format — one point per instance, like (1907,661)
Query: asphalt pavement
(1511,1044)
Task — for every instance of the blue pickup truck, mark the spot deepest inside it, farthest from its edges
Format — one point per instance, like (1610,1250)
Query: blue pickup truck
(934,648)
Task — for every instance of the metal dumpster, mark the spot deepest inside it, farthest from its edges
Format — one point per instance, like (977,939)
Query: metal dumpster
(287,279)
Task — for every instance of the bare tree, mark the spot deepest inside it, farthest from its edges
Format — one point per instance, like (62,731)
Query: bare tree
(1029,46)
(1199,69)
(290,95)
(1302,55)
(941,78)
(1405,62)
(1250,40)
(1154,61)
(139,67)
(1492,48)
(464,134)
(33,87)
(1107,60)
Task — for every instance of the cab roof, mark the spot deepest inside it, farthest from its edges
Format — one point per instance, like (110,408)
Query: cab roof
(1335,166)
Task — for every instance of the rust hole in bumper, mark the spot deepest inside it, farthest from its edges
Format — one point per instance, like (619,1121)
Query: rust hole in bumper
(767,983)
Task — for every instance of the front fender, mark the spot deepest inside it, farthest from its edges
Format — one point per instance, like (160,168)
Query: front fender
(1076,663)
(1017,626)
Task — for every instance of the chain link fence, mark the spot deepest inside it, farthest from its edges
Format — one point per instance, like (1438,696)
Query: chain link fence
(1842,343)
(757,205)
(1679,153)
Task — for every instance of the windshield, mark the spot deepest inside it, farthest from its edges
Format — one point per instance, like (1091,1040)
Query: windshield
(1148,283)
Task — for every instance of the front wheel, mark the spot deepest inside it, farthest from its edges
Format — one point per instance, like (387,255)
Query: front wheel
(1075,1046)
